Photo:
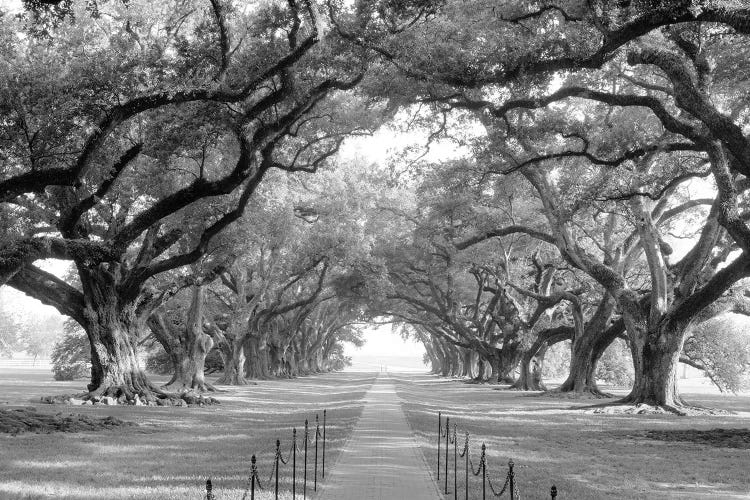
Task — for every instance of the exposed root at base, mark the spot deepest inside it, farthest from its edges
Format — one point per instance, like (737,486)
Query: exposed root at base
(187,398)
(648,409)
(579,396)
(235,381)
(181,388)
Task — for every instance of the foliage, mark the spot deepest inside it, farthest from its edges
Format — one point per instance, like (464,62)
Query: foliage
(557,361)
(9,332)
(616,365)
(37,334)
(158,361)
(71,355)
(214,363)
(721,345)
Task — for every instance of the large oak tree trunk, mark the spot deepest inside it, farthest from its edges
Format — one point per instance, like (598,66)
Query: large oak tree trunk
(588,346)
(115,369)
(234,365)
(504,363)
(439,356)
(655,358)
(454,360)
(466,363)
(532,362)
(292,359)
(316,361)
(188,348)
(432,356)
(585,354)
(481,368)
(255,363)
(113,326)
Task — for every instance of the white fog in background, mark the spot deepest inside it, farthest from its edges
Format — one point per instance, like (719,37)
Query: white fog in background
(386,350)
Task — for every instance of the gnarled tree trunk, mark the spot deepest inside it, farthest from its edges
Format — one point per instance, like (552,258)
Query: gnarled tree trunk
(113,325)
(234,364)
(187,348)
(655,356)
(585,354)
(532,362)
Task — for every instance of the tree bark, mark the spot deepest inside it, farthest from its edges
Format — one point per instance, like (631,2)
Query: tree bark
(532,361)
(505,362)
(655,356)
(112,325)
(585,354)
(255,363)
(234,365)
(115,369)
(188,348)
(465,363)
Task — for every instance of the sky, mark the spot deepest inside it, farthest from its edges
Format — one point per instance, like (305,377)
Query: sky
(385,349)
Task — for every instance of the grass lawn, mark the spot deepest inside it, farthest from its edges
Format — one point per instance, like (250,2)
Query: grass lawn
(172,451)
(587,456)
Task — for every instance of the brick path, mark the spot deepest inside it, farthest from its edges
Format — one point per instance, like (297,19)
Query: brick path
(381,461)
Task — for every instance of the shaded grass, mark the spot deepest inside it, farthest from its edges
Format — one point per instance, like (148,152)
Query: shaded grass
(17,420)
(172,451)
(587,456)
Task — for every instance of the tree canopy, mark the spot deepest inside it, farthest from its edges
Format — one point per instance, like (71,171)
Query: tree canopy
(596,187)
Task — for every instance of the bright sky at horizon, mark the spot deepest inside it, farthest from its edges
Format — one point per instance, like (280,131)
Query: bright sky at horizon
(385,349)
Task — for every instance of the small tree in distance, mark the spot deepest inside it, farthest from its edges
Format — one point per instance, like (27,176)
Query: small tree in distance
(71,355)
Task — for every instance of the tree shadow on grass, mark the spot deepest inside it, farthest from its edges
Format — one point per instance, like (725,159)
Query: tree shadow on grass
(172,451)
(719,438)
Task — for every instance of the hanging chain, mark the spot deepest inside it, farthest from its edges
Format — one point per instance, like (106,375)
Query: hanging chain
(507,482)
(479,469)
(288,456)
(466,447)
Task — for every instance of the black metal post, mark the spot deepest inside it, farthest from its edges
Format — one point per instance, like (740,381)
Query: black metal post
(455,463)
(324,444)
(304,481)
(440,436)
(447,436)
(294,463)
(209,490)
(317,431)
(278,454)
(253,477)
(466,471)
(484,470)
(553,492)
(511,478)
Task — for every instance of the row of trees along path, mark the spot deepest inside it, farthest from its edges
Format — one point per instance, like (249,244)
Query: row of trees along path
(585,130)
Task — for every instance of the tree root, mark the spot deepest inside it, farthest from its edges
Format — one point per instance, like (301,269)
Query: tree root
(200,388)
(588,393)
(652,409)
(114,396)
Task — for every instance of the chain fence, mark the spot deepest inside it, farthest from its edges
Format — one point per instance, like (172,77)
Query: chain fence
(280,462)
(446,437)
